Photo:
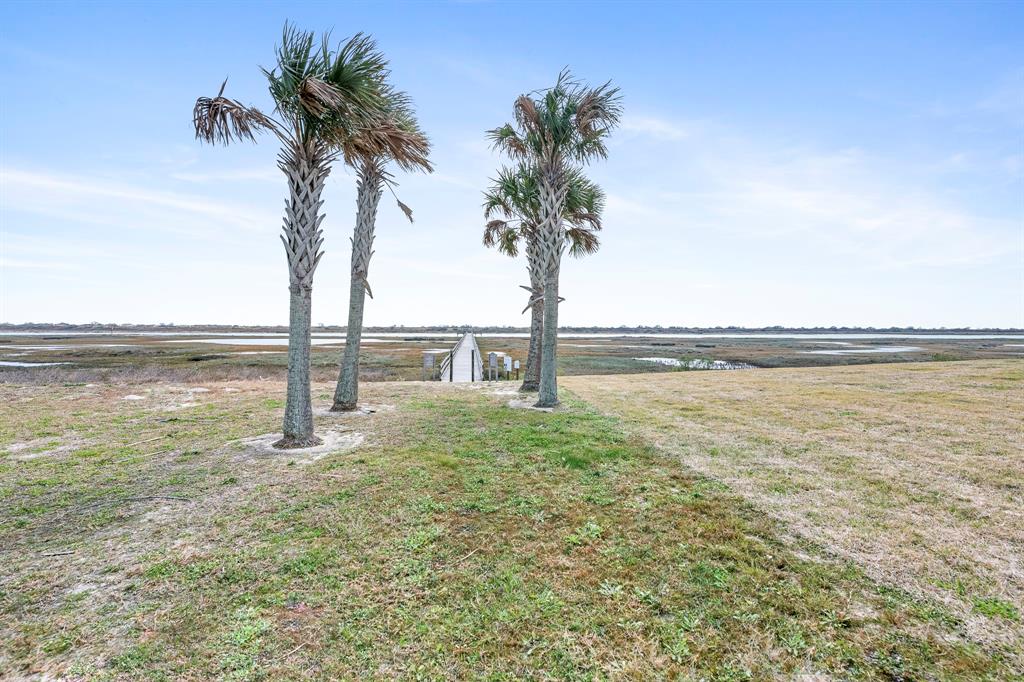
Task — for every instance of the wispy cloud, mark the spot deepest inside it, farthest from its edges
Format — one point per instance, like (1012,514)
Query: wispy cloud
(657,128)
(36,265)
(1007,98)
(849,203)
(101,200)
(268,174)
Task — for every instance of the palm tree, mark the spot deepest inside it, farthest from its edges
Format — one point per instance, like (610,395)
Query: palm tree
(398,139)
(323,99)
(562,128)
(515,196)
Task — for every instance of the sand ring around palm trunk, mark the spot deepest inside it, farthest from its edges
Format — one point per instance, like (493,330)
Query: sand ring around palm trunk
(261,448)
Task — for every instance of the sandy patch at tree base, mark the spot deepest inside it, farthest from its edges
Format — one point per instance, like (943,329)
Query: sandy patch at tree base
(332,440)
(528,403)
(360,410)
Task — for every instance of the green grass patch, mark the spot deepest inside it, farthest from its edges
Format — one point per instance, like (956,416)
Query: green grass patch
(994,607)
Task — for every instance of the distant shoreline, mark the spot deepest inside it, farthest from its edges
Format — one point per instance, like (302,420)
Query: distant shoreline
(493,330)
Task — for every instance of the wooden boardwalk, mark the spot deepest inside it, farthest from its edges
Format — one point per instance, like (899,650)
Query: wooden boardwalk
(466,363)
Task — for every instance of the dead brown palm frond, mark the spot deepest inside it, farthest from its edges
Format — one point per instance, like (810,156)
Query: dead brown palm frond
(504,235)
(405,209)
(598,105)
(389,140)
(592,221)
(223,120)
(405,145)
(582,241)
(493,225)
(492,230)
(508,242)
(318,97)
(393,135)
(526,113)
(388,180)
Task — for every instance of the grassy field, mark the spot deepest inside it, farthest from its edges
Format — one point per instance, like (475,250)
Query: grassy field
(146,534)
(914,472)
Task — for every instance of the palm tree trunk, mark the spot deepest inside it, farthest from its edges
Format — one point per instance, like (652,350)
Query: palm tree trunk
(346,393)
(551,243)
(306,168)
(531,377)
(298,410)
(369,189)
(549,344)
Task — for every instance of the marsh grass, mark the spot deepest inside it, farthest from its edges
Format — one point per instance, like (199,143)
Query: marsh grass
(138,359)
(463,539)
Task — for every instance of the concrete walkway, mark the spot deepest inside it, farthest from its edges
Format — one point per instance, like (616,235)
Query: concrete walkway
(467,364)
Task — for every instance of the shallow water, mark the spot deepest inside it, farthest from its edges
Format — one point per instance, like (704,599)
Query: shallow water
(12,363)
(276,341)
(262,341)
(77,345)
(697,363)
(563,335)
(867,349)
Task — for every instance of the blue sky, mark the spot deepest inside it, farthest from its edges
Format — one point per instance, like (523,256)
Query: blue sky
(795,164)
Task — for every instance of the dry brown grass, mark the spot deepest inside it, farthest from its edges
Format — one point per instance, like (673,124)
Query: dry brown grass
(915,472)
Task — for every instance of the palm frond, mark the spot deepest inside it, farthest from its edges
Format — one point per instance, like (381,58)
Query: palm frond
(326,93)
(389,141)
(495,203)
(514,196)
(526,113)
(318,97)
(504,235)
(582,242)
(223,120)
(567,123)
(506,139)
(405,209)
(584,201)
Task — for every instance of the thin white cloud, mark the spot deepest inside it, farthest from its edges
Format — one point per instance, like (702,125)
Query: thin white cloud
(655,127)
(1007,98)
(454,180)
(269,174)
(36,265)
(852,205)
(95,200)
